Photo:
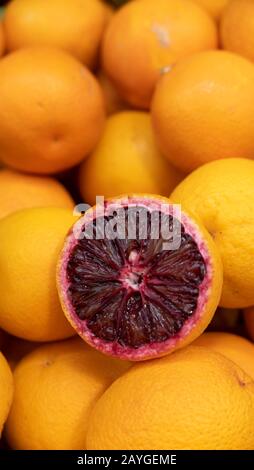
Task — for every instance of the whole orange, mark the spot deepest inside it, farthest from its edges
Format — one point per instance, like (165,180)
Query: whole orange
(237,28)
(126,160)
(195,399)
(51,113)
(236,348)
(249,321)
(144,39)
(202,109)
(56,386)
(22,191)
(75,26)
(30,242)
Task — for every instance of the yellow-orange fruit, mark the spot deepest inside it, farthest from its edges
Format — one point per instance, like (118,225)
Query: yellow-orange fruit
(202,109)
(127,160)
(195,399)
(237,28)
(22,191)
(30,242)
(236,348)
(56,387)
(51,113)
(75,26)
(221,195)
(144,39)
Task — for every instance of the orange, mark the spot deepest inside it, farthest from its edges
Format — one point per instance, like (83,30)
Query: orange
(249,321)
(214,7)
(56,387)
(236,348)
(30,241)
(221,195)
(113,100)
(237,28)
(202,109)
(126,160)
(51,113)
(75,26)
(195,399)
(144,39)
(6,390)
(21,191)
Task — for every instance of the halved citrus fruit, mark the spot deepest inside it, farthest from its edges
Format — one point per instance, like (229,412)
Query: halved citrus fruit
(136,280)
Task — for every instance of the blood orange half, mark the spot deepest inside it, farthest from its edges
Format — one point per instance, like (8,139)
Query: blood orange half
(138,279)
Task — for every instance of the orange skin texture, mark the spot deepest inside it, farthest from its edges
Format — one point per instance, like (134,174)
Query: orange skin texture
(215,8)
(236,348)
(30,242)
(22,191)
(127,160)
(221,195)
(249,321)
(237,28)
(38,89)
(145,38)
(75,26)
(113,101)
(195,399)
(214,292)
(56,386)
(202,110)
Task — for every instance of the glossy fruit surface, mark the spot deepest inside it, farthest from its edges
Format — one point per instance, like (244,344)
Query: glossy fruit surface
(52,110)
(221,195)
(76,26)
(21,191)
(127,160)
(56,387)
(30,242)
(195,399)
(144,39)
(234,347)
(202,110)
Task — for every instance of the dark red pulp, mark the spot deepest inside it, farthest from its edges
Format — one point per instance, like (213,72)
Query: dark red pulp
(132,291)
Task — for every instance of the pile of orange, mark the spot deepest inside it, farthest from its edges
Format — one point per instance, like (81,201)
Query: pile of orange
(109,98)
